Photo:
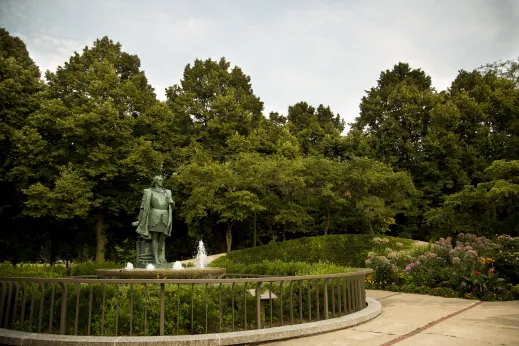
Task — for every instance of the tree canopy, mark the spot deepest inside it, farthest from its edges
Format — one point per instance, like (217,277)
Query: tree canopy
(80,144)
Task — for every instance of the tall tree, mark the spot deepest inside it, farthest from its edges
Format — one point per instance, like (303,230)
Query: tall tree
(489,119)
(324,193)
(219,190)
(80,151)
(395,115)
(314,127)
(213,103)
(376,194)
(489,208)
(508,69)
(19,86)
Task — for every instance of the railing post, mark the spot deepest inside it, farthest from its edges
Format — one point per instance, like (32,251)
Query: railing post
(31,309)
(116,309)
(76,317)
(162,292)
(300,301)
(258,305)
(90,309)
(131,309)
(51,312)
(317,282)
(363,290)
(15,305)
(2,305)
(63,317)
(281,301)
(325,299)
(333,297)
(103,312)
(42,299)
(24,301)
(8,307)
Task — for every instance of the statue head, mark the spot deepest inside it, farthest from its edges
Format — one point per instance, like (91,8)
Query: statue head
(158,181)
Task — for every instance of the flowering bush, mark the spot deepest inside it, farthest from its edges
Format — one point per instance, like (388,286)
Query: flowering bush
(384,271)
(507,258)
(476,267)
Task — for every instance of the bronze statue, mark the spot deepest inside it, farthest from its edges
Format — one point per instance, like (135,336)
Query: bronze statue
(154,222)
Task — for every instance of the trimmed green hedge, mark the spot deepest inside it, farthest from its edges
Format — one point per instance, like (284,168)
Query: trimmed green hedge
(278,267)
(349,250)
(55,271)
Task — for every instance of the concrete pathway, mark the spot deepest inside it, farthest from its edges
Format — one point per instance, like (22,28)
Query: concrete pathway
(420,320)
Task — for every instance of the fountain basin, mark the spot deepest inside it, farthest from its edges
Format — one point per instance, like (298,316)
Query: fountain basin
(162,273)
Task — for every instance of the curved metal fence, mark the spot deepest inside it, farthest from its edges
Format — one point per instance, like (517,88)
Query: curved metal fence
(91,306)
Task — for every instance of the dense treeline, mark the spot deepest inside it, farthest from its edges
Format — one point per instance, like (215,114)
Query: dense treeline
(79,145)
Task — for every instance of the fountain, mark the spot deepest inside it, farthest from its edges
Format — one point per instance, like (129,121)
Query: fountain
(175,271)
(201,255)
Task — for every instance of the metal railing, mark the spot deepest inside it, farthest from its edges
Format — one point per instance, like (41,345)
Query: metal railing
(88,306)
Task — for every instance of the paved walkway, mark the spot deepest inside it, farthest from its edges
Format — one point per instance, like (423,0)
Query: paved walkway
(420,320)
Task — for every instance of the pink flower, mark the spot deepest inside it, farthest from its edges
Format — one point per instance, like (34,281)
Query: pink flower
(476,272)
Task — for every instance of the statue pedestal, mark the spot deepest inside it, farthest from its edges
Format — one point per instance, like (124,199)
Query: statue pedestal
(144,253)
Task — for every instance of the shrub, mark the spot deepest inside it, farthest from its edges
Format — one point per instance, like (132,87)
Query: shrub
(507,258)
(52,271)
(476,267)
(384,272)
(278,267)
(348,250)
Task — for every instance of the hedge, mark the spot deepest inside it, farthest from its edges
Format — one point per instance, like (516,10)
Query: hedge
(348,250)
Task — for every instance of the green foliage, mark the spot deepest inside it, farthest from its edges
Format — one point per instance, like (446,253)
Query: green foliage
(487,209)
(77,148)
(279,267)
(347,250)
(475,268)
(7,269)
(508,69)
(317,130)
(80,143)
(126,251)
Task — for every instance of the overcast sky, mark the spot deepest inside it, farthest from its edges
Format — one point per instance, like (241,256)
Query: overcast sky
(325,52)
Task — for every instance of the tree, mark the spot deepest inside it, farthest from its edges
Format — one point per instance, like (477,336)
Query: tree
(19,87)
(80,149)
(376,194)
(395,116)
(508,69)
(212,104)
(217,189)
(489,119)
(314,127)
(487,209)
(326,198)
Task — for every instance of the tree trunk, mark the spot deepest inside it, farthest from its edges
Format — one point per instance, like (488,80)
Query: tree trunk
(228,237)
(100,237)
(327,222)
(371,228)
(284,233)
(254,241)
